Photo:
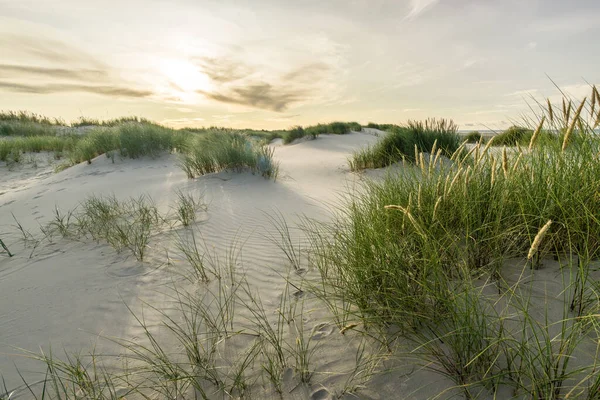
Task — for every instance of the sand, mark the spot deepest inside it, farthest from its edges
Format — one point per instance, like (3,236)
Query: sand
(69,295)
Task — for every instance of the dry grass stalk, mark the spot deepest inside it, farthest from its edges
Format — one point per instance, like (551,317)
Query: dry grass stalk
(458,173)
(435,160)
(504,162)
(572,126)
(580,126)
(467,174)
(550,111)
(458,151)
(488,145)
(516,164)
(435,207)
(416,155)
(594,91)
(446,184)
(538,240)
(348,327)
(536,133)
(408,214)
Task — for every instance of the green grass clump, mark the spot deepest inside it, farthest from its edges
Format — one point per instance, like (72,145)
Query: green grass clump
(333,128)
(83,121)
(36,144)
(25,116)
(401,143)
(127,224)
(515,135)
(137,140)
(23,123)
(227,151)
(473,137)
(425,251)
(295,133)
(132,140)
(187,207)
(18,128)
(382,127)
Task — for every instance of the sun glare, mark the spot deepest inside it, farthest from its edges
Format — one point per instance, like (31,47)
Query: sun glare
(184,77)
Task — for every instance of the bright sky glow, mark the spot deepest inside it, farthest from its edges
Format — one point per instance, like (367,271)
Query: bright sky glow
(275,64)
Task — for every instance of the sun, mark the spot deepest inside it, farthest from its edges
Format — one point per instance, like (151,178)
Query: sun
(185,77)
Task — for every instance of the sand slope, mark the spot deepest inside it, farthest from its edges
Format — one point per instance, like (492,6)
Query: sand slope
(66,293)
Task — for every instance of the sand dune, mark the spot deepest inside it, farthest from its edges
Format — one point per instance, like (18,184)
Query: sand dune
(73,295)
(64,295)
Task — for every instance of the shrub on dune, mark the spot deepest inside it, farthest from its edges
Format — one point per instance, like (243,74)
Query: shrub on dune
(232,151)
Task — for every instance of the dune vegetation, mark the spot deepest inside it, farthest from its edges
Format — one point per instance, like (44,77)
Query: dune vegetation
(406,142)
(436,266)
(134,137)
(473,137)
(428,251)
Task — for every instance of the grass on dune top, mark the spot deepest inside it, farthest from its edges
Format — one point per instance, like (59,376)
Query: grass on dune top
(405,142)
(203,150)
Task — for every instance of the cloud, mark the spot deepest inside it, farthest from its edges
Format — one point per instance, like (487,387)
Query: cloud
(307,72)
(418,7)
(52,88)
(46,49)
(224,70)
(235,82)
(260,95)
(65,69)
(20,70)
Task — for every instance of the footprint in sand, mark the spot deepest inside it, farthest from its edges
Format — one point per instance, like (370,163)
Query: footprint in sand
(321,394)
(321,330)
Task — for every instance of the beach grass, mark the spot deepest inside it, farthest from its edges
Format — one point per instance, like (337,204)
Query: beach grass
(473,137)
(405,142)
(231,151)
(440,260)
(411,251)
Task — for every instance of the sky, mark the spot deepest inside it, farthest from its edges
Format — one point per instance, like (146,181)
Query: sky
(273,64)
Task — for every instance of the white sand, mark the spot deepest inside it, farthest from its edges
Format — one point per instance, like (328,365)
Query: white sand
(68,292)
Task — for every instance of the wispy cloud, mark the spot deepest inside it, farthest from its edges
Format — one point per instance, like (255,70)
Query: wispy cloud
(236,82)
(260,95)
(66,69)
(46,49)
(418,7)
(26,70)
(51,88)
